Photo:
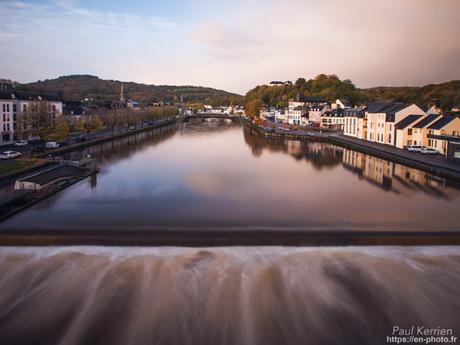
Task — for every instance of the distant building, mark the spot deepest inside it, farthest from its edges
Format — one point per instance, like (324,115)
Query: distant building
(355,123)
(280,83)
(333,119)
(404,131)
(341,104)
(14,109)
(444,130)
(382,118)
(420,130)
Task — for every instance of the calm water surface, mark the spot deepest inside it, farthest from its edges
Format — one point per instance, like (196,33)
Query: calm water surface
(220,176)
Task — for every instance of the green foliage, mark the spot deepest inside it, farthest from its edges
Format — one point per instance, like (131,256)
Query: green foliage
(331,87)
(79,87)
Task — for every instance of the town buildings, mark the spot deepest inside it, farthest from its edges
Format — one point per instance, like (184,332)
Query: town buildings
(402,124)
(17,109)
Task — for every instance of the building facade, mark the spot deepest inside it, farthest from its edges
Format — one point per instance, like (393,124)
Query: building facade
(17,109)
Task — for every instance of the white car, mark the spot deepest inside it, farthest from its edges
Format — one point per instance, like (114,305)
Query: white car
(21,143)
(9,155)
(428,151)
(414,148)
(52,145)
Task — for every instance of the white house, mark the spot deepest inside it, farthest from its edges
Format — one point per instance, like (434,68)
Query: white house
(341,104)
(355,123)
(15,105)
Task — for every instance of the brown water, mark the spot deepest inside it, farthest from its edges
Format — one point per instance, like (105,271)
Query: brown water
(215,176)
(219,177)
(239,295)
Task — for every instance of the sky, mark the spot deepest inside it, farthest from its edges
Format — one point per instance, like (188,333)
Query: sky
(232,45)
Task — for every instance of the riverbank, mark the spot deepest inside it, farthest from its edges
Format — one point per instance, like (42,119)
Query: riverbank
(42,163)
(13,202)
(435,165)
(25,199)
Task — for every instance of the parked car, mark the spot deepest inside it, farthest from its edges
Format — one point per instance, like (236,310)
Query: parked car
(414,148)
(52,145)
(428,151)
(21,143)
(132,128)
(9,155)
(37,149)
(80,139)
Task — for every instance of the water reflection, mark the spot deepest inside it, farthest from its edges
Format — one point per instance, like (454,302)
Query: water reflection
(387,175)
(201,176)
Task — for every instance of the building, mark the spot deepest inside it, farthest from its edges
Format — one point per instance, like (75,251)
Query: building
(420,130)
(382,118)
(333,119)
(314,114)
(341,104)
(294,116)
(404,131)
(280,83)
(444,130)
(16,109)
(355,123)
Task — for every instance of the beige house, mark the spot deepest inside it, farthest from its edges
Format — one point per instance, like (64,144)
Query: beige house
(404,130)
(420,130)
(445,126)
(355,123)
(382,118)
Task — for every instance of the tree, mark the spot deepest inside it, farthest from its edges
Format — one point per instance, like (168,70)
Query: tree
(61,131)
(253,108)
(95,123)
(301,83)
(36,119)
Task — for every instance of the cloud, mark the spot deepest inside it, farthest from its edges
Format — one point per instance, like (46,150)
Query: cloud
(236,45)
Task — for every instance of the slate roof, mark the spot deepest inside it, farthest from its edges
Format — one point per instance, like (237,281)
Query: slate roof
(427,120)
(388,108)
(310,99)
(444,120)
(407,121)
(21,95)
(354,112)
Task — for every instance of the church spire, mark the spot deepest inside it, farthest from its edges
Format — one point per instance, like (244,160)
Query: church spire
(122,94)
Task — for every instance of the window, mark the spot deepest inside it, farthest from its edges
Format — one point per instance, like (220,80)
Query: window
(409,131)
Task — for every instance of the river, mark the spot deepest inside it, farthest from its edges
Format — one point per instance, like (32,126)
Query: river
(218,176)
(223,178)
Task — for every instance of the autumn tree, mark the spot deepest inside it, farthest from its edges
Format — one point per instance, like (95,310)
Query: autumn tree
(253,107)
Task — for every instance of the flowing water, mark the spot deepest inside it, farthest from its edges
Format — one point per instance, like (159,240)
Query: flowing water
(221,177)
(239,295)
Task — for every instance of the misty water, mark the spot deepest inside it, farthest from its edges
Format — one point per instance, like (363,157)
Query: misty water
(219,176)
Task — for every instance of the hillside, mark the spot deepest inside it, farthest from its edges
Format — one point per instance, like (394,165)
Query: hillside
(78,87)
(331,87)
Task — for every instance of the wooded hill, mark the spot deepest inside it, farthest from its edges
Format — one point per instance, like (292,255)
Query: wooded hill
(330,87)
(79,87)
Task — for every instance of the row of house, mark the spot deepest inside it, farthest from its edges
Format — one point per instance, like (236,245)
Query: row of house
(312,111)
(402,124)
(15,107)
